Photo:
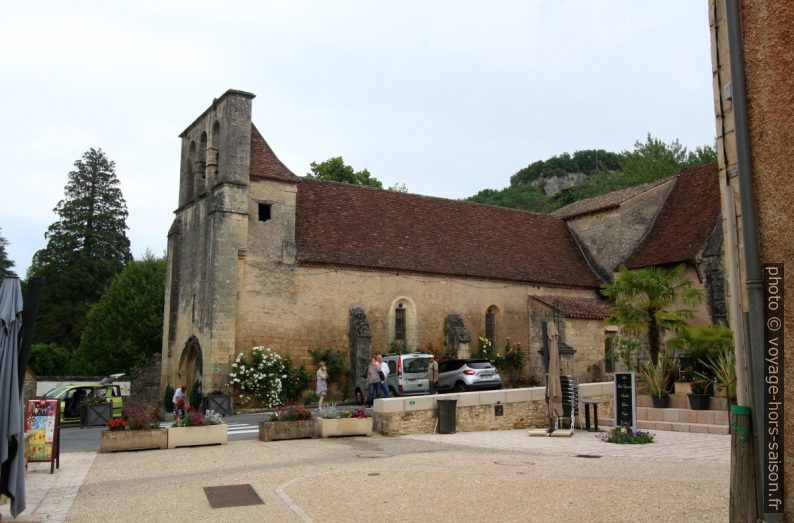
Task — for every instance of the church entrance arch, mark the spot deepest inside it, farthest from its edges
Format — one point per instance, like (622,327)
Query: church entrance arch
(191,363)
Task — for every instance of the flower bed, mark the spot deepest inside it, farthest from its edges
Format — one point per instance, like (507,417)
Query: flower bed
(192,436)
(626,435)
(332,422)
(294,422)
(116,440)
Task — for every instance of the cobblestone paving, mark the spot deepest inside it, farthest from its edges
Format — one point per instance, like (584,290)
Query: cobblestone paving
(667,445)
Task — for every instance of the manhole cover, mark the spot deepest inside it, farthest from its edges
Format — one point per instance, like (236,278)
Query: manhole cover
(232,496)
(586,456)
(374,455)
(515,463)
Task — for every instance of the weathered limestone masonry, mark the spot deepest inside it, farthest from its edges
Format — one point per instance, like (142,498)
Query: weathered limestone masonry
(208,235)
(523,408)
(608,237)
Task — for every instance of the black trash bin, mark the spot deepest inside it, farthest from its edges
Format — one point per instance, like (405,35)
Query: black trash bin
(446,416)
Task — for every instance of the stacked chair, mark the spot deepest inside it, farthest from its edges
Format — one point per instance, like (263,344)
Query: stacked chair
(571,403)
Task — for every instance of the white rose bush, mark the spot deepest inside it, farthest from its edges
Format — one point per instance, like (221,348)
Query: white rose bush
(259,375)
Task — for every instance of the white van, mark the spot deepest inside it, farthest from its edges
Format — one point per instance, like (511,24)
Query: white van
(407,375)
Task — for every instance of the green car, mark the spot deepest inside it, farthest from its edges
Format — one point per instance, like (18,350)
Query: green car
(73,396)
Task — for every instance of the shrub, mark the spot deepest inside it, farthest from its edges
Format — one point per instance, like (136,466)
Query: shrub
(140,418)
(335,362)
(626,435)
(116,424)
(290,413)
(168,398)
(195,395)
(259,374)
(296,381)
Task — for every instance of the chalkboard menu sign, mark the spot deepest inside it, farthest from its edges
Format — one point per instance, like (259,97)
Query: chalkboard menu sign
(625,400)
(42,419)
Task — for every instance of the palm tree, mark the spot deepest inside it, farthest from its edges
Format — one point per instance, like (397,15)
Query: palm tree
(644,299)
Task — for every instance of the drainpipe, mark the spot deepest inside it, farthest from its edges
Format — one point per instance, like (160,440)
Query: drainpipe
(755,314)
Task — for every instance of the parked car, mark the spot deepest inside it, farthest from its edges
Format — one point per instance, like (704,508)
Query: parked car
(407,376)
(463,375)
(73,396)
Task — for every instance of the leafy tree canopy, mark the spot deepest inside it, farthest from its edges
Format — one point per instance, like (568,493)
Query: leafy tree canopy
(49,359)
(125,327)
(336,170)
(644,300)
(86,248)
(606,171)
(5,263)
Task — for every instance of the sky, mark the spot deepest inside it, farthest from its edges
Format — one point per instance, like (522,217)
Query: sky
(447,97)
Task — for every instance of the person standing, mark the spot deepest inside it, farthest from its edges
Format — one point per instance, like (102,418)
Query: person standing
(322,384)
(373,380)
(432,374)
(384,368)
(179,402)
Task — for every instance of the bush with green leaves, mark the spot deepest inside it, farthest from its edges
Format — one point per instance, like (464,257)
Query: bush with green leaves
(260,375)
(335,363)
(168,398)
(295,382)
(195,395)
(49,359)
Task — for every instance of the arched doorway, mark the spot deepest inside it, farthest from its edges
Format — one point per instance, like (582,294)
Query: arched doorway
(191,364)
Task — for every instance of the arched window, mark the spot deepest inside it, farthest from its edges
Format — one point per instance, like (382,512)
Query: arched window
(399,323)
(490,324)
(213,156)
(201,166)
(190,182)
(402,327)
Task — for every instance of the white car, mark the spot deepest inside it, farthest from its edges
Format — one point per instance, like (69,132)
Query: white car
(407,376)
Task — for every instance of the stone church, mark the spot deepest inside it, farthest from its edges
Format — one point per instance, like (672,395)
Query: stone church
(260,256)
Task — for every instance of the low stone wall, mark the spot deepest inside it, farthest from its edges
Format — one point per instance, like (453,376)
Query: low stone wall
(522,408)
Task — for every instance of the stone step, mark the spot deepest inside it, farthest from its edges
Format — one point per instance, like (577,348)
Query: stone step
(682,402)
(703,428)
(673,415)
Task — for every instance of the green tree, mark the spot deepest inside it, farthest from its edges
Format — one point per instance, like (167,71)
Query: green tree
(335,170)
(644,300)
(48,359)
(5,263)
(125,327)
(86,248)
(654,159)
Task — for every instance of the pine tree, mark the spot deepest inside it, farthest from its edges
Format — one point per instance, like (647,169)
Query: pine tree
(5,263)
(85,249)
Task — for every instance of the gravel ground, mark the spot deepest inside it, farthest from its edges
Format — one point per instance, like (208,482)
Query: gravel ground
(403,479)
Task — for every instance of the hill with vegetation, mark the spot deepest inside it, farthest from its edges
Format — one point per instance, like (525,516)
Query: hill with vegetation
(546,185)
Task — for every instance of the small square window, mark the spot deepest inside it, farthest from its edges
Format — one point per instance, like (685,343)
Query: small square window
(264,212)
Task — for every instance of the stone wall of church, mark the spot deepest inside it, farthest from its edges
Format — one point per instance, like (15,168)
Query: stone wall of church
(293,309)
(608,237)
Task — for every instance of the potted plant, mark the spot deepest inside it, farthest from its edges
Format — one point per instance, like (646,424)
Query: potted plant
(700,395)
(723,368)
(288,422)
(656,377)
(218,401)
(96,412)
(138,429)
(196,428)
(333,422)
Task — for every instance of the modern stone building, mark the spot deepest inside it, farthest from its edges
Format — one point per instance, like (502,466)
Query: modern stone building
(259,256)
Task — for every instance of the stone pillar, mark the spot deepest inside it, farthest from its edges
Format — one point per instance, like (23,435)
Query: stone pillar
(458,339)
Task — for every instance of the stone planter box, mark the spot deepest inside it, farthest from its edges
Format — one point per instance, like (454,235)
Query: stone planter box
(219,403)
(95,414)
(327,428)
(193,436)
(276,430)
(115,440)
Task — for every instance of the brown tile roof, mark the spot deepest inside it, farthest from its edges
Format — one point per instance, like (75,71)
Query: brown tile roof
(346,225)
(685,221)
(587,308)
(603,202)
(264,162)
